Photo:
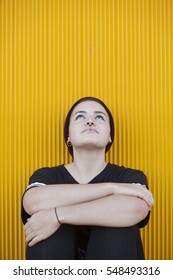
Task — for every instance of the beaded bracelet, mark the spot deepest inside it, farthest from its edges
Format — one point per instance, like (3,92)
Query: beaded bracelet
(57,216)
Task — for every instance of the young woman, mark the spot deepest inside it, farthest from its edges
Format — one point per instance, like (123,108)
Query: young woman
(89,208)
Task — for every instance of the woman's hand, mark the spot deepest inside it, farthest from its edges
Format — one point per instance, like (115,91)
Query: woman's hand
(137,190)
(40,226)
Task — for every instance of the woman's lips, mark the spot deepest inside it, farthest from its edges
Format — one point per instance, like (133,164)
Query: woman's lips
(90,130)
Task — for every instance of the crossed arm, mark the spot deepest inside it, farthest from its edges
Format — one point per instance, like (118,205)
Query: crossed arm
(104,204)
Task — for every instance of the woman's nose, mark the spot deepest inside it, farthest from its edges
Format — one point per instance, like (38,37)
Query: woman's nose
(90,121)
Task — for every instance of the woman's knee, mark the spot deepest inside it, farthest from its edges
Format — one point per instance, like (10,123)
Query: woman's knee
(112,243)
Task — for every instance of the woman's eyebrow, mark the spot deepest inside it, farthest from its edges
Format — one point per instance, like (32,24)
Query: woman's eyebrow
(78,112)
(99,112)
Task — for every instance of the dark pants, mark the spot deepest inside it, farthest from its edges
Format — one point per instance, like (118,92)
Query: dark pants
(90,243)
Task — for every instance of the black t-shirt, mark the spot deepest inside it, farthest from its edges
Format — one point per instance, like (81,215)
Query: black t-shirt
(111,173)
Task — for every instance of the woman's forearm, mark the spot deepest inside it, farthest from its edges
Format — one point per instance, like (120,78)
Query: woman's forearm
(111,211)
(50,196)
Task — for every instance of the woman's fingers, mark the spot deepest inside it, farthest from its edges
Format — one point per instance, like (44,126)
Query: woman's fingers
(143,192)
(30,236)
(148,197)
(34,241)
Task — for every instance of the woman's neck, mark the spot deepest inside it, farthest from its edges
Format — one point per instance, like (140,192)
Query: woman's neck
(86,166)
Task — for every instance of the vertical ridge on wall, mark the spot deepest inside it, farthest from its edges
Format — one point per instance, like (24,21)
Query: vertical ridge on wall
(53,52)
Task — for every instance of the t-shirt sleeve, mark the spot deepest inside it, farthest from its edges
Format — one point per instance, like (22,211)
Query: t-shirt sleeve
(137,176)
(42,176)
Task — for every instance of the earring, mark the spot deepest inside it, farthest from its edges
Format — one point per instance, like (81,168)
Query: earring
(69,144)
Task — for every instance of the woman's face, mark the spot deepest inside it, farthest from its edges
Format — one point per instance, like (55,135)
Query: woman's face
(89,126)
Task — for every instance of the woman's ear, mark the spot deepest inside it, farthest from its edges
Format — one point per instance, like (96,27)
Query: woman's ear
(69,144)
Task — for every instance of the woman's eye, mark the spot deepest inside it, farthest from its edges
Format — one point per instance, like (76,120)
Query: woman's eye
(100,117)
(79,117)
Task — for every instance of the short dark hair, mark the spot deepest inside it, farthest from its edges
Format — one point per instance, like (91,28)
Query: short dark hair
(67,120)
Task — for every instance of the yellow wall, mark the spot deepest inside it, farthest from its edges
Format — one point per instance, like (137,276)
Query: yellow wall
(53,52)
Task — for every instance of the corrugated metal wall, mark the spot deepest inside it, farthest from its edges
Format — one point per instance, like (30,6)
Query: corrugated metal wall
(54,51)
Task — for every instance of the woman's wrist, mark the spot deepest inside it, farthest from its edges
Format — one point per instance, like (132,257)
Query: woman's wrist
(67,214)
(57,216)
(114,188)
